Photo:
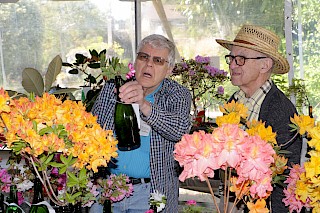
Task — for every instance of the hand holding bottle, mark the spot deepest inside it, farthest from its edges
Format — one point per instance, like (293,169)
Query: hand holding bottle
(133,92)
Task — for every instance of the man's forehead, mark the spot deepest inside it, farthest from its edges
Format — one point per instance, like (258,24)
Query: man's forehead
(239,49)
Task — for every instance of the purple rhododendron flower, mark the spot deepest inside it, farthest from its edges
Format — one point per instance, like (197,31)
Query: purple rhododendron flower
(192,72)
(184,65)
(220,90)
(201,59)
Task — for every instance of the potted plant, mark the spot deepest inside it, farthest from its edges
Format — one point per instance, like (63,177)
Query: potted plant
(96,68)
(202,80)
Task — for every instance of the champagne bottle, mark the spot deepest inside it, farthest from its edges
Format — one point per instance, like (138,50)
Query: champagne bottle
(37,198)
(64,209)
(2,203)
(107,206)
(153,207)
(125,121)
(308,147)
(13,206)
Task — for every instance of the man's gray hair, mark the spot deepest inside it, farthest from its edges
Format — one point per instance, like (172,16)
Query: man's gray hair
(160,42)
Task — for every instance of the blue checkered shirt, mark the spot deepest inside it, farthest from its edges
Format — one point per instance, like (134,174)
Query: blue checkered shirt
(169,120)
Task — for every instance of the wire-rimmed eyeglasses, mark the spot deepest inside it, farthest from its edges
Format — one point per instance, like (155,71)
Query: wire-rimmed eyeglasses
(156,59)
(240,60)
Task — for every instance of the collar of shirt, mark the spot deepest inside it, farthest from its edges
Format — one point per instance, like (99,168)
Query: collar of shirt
(254,102)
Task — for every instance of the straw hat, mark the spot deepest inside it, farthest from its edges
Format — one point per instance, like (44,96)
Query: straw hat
(261,40)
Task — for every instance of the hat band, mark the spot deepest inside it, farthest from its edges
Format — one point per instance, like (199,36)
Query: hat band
(244,42)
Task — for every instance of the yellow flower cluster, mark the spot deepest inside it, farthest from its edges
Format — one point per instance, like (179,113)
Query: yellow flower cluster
(48,125)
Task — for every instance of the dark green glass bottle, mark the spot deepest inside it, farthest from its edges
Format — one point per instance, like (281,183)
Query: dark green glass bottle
(2,210)
(125,121)
(107,206)
(13,199)
(37,198)
(153,207)
(64,209)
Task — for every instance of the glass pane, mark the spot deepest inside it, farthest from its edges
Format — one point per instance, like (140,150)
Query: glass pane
(35,31)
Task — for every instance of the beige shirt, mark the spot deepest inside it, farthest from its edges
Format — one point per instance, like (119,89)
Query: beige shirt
(254,102)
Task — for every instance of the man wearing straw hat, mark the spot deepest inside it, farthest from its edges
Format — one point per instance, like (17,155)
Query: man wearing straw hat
(252,59)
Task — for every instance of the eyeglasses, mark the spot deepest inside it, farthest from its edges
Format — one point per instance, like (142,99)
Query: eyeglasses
(240,60)
(156,59)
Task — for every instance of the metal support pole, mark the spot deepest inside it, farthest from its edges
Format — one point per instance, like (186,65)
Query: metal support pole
(137,9)
(4,78)
(288,36)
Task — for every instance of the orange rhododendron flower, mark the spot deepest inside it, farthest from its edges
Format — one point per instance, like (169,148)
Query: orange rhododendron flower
(236,107)
(303,122)
(4,101)
(258,207)
(231,118)
(266,133)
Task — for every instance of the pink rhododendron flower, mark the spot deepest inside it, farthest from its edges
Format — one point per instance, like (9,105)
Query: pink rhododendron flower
(191,203)
(291,200)
(257,158)
(231,138)
(196,153)
(262,188)
(131,72)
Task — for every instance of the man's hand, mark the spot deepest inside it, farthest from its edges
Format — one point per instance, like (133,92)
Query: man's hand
(132,92)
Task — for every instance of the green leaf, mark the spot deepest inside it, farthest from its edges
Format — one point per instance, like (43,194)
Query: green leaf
(15,95)
(54,69)
(94,53)
(45,130)
(49,158)
(43,158)
(72,179)
(80,58)
(63,159)
(75,195)
(65,64)
(92,79)
(34,125)
(94,65)
(73,71)
(82,173)
(55,164)
(63,169)
(72,161)
(63,133)
(17,146)
(32,81)
(64,90)
(102,53)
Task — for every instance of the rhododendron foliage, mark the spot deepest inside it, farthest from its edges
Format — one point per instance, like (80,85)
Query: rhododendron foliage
(244,150)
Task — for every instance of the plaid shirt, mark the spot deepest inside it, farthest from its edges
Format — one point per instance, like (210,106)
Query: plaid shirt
(169,120)
(254,102)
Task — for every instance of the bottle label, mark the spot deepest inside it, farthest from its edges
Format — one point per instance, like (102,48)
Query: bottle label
(136,110)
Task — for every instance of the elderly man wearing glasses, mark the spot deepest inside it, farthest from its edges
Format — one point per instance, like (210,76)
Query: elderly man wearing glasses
(164,112)
(253,58)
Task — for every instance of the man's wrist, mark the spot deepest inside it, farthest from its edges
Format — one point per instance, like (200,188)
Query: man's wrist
(146,108)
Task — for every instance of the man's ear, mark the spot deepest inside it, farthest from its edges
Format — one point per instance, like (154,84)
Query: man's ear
(266,65)
(169,71)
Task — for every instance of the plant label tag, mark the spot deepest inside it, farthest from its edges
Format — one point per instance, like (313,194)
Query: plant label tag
(144,128)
